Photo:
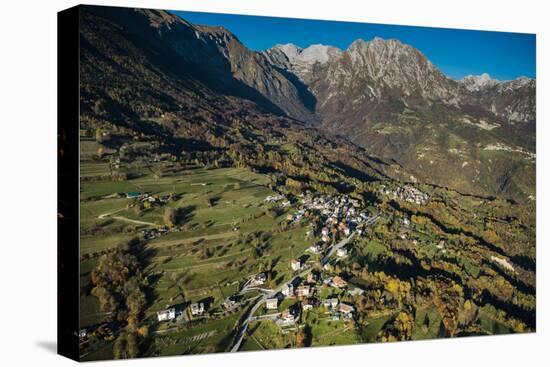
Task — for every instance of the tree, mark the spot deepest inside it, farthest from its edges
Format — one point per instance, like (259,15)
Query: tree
(404,325)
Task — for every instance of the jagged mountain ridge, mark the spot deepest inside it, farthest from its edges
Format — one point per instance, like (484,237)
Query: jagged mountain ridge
(389,98)
(384,65)
(382,94)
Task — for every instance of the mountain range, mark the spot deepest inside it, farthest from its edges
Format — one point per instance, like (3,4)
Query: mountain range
(475,135)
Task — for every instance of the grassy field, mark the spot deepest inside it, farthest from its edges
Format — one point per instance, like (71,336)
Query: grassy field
(237,193)
(326,331)
(204,262)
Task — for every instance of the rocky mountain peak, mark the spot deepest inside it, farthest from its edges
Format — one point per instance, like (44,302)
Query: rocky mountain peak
(476,83)
(301,61)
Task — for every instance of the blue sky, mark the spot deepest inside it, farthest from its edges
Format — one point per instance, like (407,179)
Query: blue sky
(456,52)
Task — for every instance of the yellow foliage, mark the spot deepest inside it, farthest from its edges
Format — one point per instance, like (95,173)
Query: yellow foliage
(392,286)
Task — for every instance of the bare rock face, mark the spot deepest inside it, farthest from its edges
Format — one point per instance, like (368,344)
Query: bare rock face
(301,61)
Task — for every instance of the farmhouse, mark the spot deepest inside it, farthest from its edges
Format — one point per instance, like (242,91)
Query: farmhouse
(166,315)
(271,303)
(197,309)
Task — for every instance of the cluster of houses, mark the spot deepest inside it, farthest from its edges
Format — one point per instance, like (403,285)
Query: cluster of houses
(406,193)
(339,213)
(305,291)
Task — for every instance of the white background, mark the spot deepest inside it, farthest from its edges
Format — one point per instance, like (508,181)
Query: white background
(28,182)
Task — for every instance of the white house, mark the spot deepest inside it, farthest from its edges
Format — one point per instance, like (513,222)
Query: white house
(295,264)
(166,315)
(347,230)
(271,303)
(306,305)
(356,291)
(197,309)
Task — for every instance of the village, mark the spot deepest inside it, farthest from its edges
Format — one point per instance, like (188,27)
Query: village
(406,193)
(337,219)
